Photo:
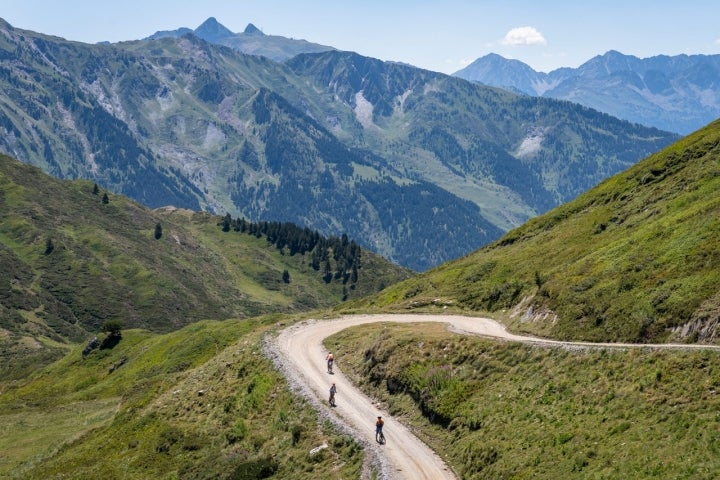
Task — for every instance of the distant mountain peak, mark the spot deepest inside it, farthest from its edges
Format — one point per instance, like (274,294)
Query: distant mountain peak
(678,93)
(212,30)
(615,53)
(496,70)
(253,30)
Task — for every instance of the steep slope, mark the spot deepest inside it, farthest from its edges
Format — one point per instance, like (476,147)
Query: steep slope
(49,115)
(417,166)
(509,154)
(677,93)
(200,402)
(72,261)
(634,259)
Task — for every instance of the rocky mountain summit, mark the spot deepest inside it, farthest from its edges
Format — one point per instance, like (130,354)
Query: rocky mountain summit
(251,41)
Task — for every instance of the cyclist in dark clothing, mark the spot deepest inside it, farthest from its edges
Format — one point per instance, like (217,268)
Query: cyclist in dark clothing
(333,391)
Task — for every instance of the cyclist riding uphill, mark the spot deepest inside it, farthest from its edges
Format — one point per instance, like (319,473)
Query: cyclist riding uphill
(378,429)
(330,359)
(333,391)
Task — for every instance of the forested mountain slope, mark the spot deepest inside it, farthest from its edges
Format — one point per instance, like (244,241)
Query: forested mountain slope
(634,259)
(74,256)
(418,166)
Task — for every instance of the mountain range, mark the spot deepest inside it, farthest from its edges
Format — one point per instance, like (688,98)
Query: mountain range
(186,389)
(418,166)
(634,258)
(675,93)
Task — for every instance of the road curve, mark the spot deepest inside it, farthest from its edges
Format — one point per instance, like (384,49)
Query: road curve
(404,456)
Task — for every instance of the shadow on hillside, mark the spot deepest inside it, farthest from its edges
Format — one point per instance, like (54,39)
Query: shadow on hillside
(110,342)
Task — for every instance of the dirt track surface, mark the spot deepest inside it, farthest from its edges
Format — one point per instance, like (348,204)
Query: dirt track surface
(298,351)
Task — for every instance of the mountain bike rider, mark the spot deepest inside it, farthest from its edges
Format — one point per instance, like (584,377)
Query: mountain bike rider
(330,359)
(379,429)
(333,391)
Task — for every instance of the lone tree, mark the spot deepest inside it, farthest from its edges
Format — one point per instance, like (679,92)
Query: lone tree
(113,328)
(158,231)
(105,198)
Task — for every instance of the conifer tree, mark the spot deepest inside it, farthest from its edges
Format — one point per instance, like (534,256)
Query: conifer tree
(226,221)
(327,273)
(49,247)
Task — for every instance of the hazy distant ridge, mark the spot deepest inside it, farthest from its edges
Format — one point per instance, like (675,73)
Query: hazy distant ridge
(675,93)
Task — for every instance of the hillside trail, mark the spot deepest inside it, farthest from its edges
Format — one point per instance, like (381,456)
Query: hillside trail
(299,352)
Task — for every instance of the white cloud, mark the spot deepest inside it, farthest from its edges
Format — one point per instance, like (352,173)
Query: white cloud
(524,36)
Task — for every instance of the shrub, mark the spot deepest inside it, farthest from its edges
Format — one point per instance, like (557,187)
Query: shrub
(169,437)
(237,433)
(297,431)
(112,328)
(260,468)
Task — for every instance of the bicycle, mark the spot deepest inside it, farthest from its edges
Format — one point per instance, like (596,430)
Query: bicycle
(379,436)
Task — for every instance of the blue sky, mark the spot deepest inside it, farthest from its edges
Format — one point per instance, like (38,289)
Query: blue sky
(438,35)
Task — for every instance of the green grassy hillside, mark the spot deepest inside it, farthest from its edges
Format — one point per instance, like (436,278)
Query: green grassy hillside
(71,261)
(634,259)
(506,410)
(198,403)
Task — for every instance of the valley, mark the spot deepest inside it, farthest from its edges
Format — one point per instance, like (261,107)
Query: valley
(417,166)
(522,286)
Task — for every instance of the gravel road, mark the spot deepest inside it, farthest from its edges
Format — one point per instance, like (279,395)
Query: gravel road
(299,353)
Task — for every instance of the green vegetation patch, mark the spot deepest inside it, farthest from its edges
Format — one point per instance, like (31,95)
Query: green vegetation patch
(33,435)
(70,262)
(509,410)
(202,402)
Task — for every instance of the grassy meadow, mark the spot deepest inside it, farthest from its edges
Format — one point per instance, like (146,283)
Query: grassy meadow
(201,402)
(511,411)
(70,262)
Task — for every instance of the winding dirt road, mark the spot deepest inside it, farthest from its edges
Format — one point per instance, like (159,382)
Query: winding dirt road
(404,456)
